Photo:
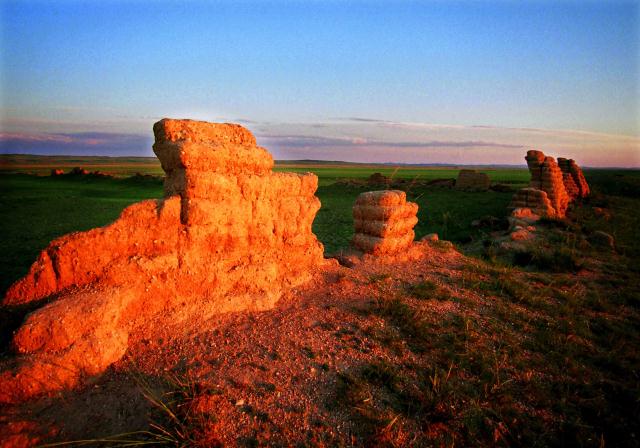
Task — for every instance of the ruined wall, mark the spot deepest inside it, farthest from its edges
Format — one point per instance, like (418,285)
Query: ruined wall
(571,170)
(472,180)
(534,199)
(229,235)
(570,186)
(384,222)
(246,228)
(546,176)
(560,182)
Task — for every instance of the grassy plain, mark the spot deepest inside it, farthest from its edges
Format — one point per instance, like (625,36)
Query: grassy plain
(539,350)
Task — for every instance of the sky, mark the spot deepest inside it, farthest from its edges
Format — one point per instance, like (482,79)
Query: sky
(390,81)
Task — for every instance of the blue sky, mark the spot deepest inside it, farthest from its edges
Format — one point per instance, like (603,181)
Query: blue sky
(459,82)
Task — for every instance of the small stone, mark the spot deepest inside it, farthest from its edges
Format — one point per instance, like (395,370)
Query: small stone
(430,237)
(521,235)
(240,402)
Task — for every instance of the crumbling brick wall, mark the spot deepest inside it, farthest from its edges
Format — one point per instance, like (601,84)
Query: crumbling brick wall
(384,222)
(229,235)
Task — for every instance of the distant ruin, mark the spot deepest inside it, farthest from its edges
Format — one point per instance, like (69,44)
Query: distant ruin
(471,180)
(551,188)
(229,235)
(384,222)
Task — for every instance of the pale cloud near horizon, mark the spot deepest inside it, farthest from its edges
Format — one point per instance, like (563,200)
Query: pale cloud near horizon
(355,139)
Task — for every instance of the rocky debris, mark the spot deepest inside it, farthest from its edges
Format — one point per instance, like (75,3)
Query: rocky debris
(378,179)
(571,170)
(430,237)
(77,171)
(521,234)
(602,213)
(57,172)
(525,215)
(229,235)
(547,176)
(602,239)
(472,180)
(384,222)
(521,223)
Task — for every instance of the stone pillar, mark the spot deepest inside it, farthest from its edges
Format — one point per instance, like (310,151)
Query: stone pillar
(571,169)
(384,222)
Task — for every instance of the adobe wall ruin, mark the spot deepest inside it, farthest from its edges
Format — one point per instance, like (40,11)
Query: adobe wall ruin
(546,176)
(384,222)
(573,173)
(229,235)
(553,186)
(472,180)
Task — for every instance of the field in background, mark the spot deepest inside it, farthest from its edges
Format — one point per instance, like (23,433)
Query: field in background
(328,172)
(37,208)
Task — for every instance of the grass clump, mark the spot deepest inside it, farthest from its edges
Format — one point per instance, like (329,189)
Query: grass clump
(428,289)
(176,422)
(556,259)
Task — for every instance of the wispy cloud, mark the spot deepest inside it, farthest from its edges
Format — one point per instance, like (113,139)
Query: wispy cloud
(81,143)
(307,141)
(358,139)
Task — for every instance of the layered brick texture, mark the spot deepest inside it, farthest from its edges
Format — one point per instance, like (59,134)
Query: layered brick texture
(533,199)
(229,235)
(383,222)
(240,219)
(546,176)
(572,172)
(552,187)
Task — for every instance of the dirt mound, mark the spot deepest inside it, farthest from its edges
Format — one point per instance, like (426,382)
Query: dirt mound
(472,180)
(229,235)
(384,221)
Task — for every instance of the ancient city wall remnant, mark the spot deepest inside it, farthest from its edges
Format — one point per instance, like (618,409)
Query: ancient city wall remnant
(572,172)
(229,235)
(472,180)
(546,176)
(384,222)
(533,199)
(552,187)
